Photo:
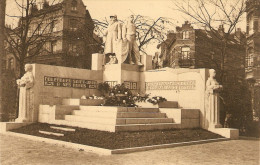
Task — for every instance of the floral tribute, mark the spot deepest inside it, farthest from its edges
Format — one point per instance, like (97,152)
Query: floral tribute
(119,95)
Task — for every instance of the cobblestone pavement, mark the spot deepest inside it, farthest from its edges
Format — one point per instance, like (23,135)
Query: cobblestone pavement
(16,150)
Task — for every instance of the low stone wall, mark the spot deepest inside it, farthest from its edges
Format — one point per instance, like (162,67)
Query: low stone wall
(185,86)
(52,83)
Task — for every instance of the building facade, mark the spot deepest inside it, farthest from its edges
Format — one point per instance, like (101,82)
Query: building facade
(61,34)
(253,53)
(198,48)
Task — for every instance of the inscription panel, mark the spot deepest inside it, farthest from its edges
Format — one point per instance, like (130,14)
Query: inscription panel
(131,85)
(171,85)
(68,82)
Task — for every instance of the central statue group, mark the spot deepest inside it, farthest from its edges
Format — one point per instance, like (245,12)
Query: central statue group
(120,42)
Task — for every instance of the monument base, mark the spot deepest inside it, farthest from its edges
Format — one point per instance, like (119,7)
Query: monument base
(7,126)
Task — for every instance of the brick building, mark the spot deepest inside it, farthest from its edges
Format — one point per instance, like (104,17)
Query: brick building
(63,35)
(253,52)
(198,48)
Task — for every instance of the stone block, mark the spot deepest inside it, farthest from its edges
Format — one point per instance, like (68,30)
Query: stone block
(226,132)
(71,102)
(97,61)
(168,104)
(190,114)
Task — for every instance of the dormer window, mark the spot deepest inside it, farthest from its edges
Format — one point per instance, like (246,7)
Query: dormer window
(185,35)
(74,5)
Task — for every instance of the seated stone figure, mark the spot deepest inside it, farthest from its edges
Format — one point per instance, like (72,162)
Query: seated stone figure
(25,83)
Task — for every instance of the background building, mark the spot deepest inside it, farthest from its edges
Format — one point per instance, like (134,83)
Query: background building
(198,48)
(62,35)
(253,53)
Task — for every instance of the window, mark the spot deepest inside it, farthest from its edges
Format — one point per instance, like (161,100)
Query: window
(53,46)
(185,35)
(40,30)
(251,26)
(11,63)
(74,5)
(250,58)
(73,24)
(73,49)
(53,26)
(29,32)
(185,53)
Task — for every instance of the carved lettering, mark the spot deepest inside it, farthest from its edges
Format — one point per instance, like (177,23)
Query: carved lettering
(67,82)
(171,85)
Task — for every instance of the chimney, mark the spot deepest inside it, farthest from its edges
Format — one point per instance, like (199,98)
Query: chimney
(33,8)
(238,34)
(45,4)
(221,30)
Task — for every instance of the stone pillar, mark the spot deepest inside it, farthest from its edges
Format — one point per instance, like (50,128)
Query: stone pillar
(97,61)
(147,61)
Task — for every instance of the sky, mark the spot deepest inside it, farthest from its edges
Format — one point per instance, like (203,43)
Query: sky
(101,9)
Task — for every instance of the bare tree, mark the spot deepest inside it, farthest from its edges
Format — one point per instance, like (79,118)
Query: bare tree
(34,29)
(148,30)
(209,14)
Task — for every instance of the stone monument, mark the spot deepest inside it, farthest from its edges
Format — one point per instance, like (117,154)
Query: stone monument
(212,100)
(120,42)
(25,98)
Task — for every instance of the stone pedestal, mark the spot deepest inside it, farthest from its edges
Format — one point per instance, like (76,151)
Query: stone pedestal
(214,111)
(97,61)
(146,60)
(22,106)
(123,73)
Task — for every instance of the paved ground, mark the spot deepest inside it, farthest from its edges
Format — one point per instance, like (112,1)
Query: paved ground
(15,150)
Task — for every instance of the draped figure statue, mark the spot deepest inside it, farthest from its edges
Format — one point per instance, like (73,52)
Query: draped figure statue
(212,100)
(113,35)
(25,98)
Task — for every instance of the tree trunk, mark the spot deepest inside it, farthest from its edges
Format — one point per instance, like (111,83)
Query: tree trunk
(2,26)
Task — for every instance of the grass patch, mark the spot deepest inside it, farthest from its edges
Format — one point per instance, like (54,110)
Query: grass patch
(119,140)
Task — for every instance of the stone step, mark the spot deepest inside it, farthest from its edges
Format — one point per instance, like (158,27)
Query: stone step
(91,119)
(62,110)
(118,109)
(63,129)
(95,126)
(146,127)
(119,121)
(137,109)
(98,114)
(125,121)
(89,102)
(140,115)
(51,133)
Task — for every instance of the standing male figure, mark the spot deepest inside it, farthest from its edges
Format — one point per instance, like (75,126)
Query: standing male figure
(129,35)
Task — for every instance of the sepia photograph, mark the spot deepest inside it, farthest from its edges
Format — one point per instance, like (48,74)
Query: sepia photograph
(129,82)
